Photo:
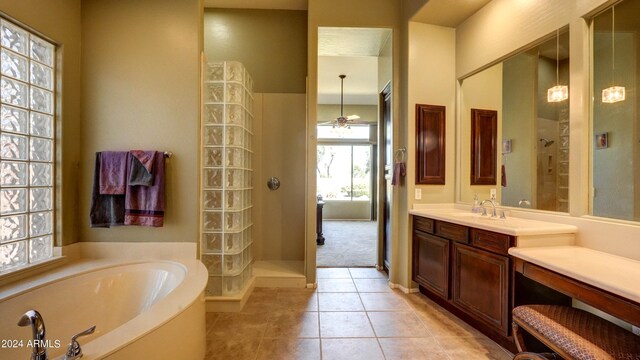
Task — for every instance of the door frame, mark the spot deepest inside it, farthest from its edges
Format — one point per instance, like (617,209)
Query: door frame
(383,136)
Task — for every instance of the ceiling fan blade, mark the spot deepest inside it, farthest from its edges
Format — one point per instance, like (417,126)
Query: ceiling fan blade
(353,117)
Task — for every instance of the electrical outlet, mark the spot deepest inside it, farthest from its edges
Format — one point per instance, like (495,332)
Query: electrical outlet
(418,194)
(635,329)
(493,194)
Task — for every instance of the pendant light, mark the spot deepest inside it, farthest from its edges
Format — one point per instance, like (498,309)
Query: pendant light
(613,93)
(559,92)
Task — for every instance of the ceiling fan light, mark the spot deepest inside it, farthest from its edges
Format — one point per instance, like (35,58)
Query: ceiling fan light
(613,94)
(558,93)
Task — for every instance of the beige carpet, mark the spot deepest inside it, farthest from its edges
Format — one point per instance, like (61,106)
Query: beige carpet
(348,244)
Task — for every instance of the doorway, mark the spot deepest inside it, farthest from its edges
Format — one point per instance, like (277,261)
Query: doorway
(354,65)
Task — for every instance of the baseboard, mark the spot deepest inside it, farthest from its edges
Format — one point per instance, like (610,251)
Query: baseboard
(230,303)
(404,289)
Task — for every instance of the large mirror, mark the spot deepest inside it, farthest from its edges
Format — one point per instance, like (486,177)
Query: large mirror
(529,92)
(615,180)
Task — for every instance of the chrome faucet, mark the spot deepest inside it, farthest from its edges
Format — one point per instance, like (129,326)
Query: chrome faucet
(493,205)
(74,351)
(34,319)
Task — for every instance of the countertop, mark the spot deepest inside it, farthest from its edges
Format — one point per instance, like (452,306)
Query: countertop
(616,274)
(511,225)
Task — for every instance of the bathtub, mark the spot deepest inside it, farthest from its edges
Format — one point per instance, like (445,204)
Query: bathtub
(142,309)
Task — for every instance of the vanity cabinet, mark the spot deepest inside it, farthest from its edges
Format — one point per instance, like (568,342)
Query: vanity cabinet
(468,271)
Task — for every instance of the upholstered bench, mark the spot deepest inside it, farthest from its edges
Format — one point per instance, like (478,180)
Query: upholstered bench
(573,334)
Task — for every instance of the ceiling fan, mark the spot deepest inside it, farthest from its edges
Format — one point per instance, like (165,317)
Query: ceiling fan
(342,121)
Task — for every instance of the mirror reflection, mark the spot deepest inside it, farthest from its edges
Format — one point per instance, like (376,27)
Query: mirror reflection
(530,93)
(615,180)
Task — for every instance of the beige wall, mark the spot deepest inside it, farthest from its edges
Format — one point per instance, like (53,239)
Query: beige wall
(502,27)
(432,82)
(60,22)
(279,151)
(141,90)
(370,13)
(346,210)
(270,43)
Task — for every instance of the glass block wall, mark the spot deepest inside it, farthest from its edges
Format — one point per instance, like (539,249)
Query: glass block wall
(227,177)
(27,147)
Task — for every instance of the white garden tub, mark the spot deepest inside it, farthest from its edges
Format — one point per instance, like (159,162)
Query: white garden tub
(142,309)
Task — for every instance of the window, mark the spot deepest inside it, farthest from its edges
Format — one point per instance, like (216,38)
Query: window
(344,172)
(27,147)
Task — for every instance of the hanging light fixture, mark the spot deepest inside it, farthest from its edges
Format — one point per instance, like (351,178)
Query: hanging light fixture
(559,92)
(613,93)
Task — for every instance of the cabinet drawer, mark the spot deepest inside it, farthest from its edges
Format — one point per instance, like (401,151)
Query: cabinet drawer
(423,224)
(495,242)
(451,231)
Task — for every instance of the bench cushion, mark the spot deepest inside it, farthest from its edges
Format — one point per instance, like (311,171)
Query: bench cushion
(577,333)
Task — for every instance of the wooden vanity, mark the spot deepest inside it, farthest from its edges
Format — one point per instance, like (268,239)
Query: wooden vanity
(463,264)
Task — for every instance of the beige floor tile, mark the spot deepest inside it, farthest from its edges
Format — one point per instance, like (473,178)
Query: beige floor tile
(339,302)
(294,324)
(351,349)
(397,324)
(297,299)
(237,348)
(412,349)
(384,302)
(473,347)
(367,273)
(210,320)
(333,273)
(345,324)
(289,349)
(240,325)
(336,285)
(372,285)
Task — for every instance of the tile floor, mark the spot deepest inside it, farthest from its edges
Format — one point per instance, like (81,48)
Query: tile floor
(352,315)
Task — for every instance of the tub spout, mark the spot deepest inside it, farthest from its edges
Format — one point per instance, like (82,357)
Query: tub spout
(34,319)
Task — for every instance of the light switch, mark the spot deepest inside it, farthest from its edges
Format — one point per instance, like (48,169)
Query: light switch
(418,194)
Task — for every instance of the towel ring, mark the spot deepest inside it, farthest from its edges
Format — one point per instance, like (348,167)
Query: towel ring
(400,154)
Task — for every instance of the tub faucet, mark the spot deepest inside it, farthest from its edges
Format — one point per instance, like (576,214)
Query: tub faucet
(34,319)
(74,351)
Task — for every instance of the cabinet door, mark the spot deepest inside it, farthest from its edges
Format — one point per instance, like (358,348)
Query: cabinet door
(480,285)
(431,263)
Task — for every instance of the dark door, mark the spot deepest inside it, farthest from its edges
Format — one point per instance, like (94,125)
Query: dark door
(387,165)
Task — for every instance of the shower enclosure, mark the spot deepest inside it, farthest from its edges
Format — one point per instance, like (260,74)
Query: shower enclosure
(226,169)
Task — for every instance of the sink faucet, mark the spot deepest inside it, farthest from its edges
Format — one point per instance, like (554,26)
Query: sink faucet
(493,205)
(34,319)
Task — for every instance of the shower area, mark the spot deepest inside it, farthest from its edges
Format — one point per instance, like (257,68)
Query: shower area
(226,186)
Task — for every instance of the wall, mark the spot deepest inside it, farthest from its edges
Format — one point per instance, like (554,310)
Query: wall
(270,43)
(481,91)
(280,213)
(502,27)
(346,210)
(432,82)
(141,90)
(60,21)
(518,125)
(272,46)
(337,13)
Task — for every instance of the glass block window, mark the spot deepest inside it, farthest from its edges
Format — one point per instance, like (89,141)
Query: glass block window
(26,146)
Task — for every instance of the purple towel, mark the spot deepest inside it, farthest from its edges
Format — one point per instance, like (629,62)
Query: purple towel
(113,172)
(106,210)
(144,205)
(399,171)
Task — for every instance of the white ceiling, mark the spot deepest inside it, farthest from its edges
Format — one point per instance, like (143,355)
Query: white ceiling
(352,52)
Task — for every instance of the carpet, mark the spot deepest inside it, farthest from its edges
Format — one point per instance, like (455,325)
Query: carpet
(348,244)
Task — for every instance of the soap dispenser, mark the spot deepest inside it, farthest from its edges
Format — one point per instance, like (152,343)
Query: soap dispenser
(476,205)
